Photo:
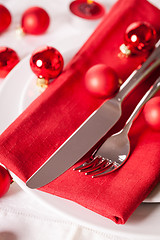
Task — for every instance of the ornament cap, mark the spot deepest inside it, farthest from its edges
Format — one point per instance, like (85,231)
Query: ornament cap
(42,83)
(125,50)
(20,32)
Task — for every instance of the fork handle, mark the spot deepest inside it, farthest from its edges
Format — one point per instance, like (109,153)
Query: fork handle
(148,95)
(138,75)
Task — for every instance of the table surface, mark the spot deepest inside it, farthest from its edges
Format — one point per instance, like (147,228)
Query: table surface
(21,216)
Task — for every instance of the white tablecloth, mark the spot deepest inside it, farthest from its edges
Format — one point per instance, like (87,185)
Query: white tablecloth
(21,216)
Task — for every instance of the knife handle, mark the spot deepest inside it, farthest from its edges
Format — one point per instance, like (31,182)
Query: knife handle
(138,75)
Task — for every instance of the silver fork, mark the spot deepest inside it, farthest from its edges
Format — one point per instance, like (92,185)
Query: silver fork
(116,149)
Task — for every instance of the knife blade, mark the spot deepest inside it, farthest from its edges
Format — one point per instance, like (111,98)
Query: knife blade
(92,129)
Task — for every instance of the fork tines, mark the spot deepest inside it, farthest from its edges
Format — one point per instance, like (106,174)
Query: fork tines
(97,166)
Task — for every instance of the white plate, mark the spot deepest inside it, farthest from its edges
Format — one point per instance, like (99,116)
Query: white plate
(16,93)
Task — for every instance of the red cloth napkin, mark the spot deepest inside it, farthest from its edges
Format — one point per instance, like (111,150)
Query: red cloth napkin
(55,115)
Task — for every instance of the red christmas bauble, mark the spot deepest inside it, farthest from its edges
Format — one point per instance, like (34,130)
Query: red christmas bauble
(35,20)
(5,18)
(46,62)
(8,59)
(140,37)
(101,81)
(5,180)
(152,113)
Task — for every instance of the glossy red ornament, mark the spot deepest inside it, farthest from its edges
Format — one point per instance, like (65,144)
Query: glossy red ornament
(8,59)
(140,37)
(151,113)
(35,20)
(101,81)
(46,62)
(5,180)
(5,18)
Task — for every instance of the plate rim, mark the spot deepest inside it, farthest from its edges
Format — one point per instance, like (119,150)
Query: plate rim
(12,73)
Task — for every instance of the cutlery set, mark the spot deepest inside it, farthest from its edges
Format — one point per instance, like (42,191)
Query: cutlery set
(115,150)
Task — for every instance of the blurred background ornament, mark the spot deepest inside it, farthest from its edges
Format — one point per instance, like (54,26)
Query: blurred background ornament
(46,63)
(5,18)
(8,59)
(87,9)
(35,21)
(5,180)
(86,13)
(151,113)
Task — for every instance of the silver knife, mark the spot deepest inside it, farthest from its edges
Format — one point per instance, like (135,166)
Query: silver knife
(92,129)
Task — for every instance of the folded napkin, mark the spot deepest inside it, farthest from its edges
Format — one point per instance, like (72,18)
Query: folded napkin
(28,142)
